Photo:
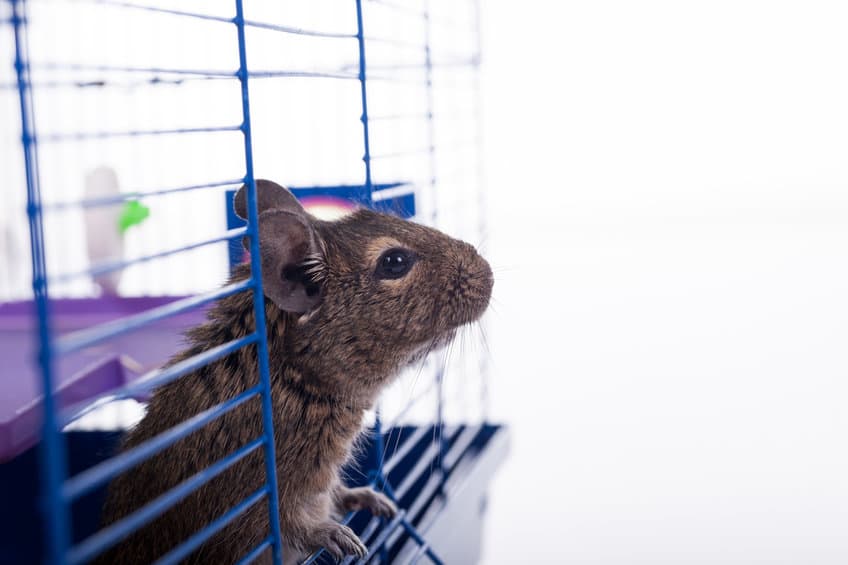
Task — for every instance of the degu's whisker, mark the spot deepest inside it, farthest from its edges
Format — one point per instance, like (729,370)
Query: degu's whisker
(483,338)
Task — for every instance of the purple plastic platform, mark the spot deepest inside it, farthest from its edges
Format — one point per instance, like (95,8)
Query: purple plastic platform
(84,375)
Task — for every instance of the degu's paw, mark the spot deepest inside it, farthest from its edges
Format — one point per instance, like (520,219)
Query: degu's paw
(367,498)
(339,540)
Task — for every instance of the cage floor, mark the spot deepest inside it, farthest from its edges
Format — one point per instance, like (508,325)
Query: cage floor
(443,502)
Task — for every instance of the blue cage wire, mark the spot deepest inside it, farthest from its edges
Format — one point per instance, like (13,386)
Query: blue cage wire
(424,467)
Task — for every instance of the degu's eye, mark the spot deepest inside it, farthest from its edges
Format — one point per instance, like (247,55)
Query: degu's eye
(394,263)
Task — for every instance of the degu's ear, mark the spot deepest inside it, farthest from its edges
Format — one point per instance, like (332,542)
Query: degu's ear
(291,261)
(269,196)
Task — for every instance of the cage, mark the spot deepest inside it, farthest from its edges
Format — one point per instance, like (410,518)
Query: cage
(128,127)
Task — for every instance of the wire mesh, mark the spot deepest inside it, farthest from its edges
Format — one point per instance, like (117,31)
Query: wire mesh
(134,107)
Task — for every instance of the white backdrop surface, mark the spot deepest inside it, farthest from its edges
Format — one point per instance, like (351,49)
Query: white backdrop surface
(669,207)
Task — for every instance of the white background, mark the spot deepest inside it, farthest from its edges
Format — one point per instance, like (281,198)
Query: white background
(667,211)
(669,195)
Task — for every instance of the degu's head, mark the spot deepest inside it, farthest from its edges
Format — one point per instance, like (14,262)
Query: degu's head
(368,288)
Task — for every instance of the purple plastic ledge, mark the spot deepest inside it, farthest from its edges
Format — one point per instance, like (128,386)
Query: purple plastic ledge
(84,375)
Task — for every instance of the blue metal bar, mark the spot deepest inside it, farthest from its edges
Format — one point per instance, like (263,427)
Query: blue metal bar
(159,377)
(379,443)
(112,534)
(482,201)
(259,297)
(256,552)
(102,83)
(304,74)
(137,195)
(405,448)
(60,66)
(440,418)
(386,487)
(366,156)
(95,476)
(383,536)
(171,12)
(370,529)
(85,338)
(110,266)
(246,23)
(419,553)
(446,64)
(154,379)
(299,31)
(367,532)
(425,547)
(395,80)
(422,497)
(384,191)
(86,135)
(424,462)
(314,557)
(459,448)
(380,447)
(191,544)
(426,459)
(456,113)
(431,131)
(434,514)
(53,465)
(383,483)
(186,76)
(459,445)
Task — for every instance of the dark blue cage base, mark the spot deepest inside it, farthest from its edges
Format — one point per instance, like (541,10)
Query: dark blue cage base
(448,513)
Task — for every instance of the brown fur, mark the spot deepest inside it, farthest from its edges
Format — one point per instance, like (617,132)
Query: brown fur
(328,364)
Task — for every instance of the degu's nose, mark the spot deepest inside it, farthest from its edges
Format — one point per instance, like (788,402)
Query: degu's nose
(474,282)
(486,278)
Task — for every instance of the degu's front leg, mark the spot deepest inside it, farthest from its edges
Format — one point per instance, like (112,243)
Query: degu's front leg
(362,498)
(316,528)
